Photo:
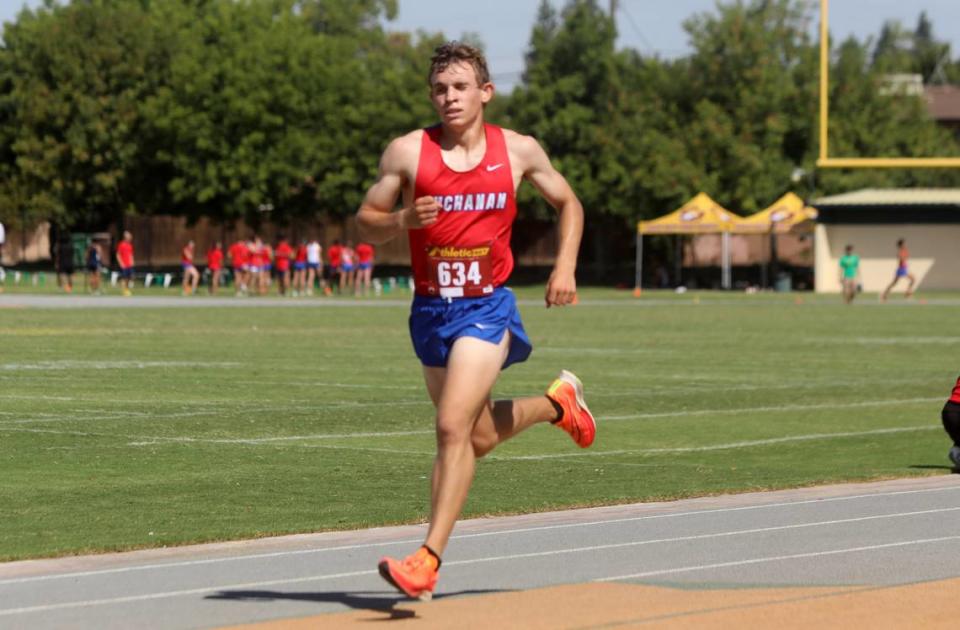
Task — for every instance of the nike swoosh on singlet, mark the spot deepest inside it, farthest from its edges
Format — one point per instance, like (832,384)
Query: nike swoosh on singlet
(493,167)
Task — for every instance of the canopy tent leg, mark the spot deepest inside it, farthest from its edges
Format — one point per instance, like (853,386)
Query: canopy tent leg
(639,266)
(725,260)
(678,259)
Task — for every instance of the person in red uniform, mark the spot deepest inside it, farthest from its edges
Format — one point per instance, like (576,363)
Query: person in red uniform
(364,267)
(255,263)
(282,255)
(240,262)
(458,183)
(125,261)
(191,277)
(300,269)
(951,423)
(215,266)
(266,265)
(334,274)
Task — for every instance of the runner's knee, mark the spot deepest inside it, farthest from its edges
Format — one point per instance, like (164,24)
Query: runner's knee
(452,430)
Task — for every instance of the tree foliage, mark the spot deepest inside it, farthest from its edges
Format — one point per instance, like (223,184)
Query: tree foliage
(219,107)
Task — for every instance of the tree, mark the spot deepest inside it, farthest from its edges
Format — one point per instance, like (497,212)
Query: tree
(867,120)
(74,79)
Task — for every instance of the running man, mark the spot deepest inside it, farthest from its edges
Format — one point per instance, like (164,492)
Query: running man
(951,422)
(215,266)
(458,183)
(125,261)
(266,265)
(347,268)
(191,277)
(240,262)
(333,265)
(314,264)
(300,269)
(364,272)
(849,274)
(93,264)
(283,253)
(901,272)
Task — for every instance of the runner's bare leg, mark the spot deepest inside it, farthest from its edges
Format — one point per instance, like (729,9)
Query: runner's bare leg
(469,425)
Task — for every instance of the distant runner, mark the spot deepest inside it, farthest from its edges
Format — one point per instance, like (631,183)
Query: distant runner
(903,256)
(849,274)
(125,261)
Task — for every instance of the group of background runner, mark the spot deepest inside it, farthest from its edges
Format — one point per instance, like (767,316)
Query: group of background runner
(297,270)
(254,263)
(850,273)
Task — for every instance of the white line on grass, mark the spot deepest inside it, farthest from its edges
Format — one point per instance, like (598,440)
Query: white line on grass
(521,556)
(794,556)
(322,384)
(112,365)
(710,412)
(40,418)
(143,440)
(289,438)
(501,532)
(714,447)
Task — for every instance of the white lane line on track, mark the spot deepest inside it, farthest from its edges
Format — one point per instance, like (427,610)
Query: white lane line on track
(706,412)
(594,548)
(519,530)
(167,594)
(714,447)
(795,556)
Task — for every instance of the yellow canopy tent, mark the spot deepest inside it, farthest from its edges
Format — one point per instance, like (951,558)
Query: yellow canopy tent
(784,215)
(700,215)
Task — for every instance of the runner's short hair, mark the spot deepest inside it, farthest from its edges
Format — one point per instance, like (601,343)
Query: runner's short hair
(455,52)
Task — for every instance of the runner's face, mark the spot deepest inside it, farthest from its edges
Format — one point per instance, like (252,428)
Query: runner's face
(456,95)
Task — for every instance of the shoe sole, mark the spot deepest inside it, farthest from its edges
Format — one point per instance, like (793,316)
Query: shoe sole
(571,378)
(384,569)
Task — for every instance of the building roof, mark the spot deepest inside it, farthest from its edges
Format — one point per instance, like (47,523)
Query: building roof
(891,205)
(943,102)
(893,197)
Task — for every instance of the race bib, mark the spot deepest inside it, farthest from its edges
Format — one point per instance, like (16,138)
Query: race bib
(459,271)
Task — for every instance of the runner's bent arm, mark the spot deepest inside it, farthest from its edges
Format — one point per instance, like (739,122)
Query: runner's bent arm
(376,220)
(562,285)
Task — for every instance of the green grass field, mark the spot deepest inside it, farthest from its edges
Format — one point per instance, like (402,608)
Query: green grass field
(137,427)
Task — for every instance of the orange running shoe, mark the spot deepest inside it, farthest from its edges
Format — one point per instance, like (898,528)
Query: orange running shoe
(415,575)
(567,391)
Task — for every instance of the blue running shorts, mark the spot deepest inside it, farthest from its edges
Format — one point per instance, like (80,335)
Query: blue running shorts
(435,323)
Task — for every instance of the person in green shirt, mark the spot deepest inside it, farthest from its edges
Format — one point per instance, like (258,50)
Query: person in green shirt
(849,274)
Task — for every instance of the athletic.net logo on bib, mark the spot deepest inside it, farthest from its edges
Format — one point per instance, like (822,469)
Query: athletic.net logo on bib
(459,271)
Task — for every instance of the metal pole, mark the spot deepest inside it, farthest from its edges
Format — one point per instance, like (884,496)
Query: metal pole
(725,262)
(639,266)
(824,79)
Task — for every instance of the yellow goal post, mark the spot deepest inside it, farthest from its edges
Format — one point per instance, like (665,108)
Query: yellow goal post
(824,160)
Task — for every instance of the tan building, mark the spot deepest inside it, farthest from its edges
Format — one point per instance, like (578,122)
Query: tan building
(873,220)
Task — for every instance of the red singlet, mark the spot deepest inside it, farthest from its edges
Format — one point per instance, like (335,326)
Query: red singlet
(478,208)
(955,395)
(215,259)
